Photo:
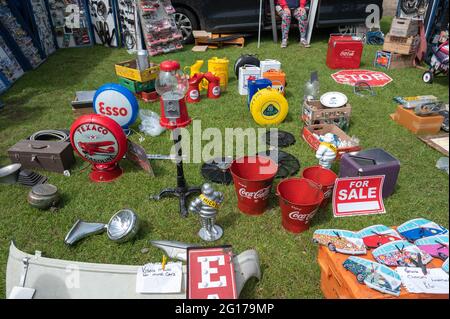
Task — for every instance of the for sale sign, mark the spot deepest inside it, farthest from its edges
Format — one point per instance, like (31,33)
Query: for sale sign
(355,196)
(351,77)
(211,273)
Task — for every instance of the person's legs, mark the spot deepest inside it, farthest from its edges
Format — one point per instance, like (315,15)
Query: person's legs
(285,24)
(302,16)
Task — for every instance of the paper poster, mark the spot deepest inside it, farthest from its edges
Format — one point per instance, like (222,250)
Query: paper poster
(151,278)
(434,282)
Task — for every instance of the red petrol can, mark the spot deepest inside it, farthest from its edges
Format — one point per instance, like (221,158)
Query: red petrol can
(344,51)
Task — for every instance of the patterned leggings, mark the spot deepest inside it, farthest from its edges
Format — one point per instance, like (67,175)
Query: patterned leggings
(300,15)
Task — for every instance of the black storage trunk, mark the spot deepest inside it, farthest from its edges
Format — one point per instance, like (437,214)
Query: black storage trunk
(53,156)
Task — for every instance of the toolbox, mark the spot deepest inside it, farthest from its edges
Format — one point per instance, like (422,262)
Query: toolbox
(372,162)
(404,27)
(53,156)
(315,113)
(401,45)
(420,125)
(309,132)
(129,70)
(338,283)
(344,51)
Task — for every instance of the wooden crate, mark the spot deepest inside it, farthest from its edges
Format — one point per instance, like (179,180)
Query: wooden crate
(391,60)
(404,27)
(128,70)
(203,38)
(315,113)
(420,125)
(401,45)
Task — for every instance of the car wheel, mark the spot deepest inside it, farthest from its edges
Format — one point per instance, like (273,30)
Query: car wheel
(427,77)
(360,278)
(401,263)
(187,23)
(442,256)
(315,241)
(331,247)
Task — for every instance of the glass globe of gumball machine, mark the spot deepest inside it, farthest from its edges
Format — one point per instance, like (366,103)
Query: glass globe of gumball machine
(172,85)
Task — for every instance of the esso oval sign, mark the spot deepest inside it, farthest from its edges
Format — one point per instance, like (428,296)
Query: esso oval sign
(117,103)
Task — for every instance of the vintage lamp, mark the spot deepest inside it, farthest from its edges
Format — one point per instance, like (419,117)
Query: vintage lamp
(172,86)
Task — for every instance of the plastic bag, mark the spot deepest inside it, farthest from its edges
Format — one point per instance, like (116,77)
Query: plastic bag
(150,123)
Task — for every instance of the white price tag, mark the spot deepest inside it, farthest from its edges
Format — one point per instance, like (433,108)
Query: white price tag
(151,278)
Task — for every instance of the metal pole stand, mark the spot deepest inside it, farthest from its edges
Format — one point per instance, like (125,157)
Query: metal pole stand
(182,191)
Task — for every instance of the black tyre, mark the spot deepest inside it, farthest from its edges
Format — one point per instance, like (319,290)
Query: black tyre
(427,77)
(246,59)
(187,22)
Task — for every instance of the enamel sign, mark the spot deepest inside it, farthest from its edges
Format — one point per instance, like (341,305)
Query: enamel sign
(351,77)
(356,196)
(211,273)
(117,103)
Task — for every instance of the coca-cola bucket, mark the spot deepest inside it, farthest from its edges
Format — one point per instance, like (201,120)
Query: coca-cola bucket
(253,177)
(324,177)
(300,199)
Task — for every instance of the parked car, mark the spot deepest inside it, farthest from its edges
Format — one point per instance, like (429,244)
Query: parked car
(243,15)
(377,235)
(342,241)
(374,275)
(420,228)
(436,246)
(401,253)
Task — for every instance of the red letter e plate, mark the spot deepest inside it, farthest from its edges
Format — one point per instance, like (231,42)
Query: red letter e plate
(211,273)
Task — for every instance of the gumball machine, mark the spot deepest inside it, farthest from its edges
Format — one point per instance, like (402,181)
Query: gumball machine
(172,86)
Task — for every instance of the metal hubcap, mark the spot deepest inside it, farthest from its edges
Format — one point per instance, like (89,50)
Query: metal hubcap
(184,24)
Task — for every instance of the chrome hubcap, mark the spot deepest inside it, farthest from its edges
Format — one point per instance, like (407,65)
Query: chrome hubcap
(184,24)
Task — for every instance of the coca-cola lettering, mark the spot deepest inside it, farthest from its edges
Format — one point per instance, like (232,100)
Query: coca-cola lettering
(347,53)
(112,110)
(302,217)
(260,194)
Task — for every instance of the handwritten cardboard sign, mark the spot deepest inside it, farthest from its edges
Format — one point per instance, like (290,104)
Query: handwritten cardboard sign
(211,273)
(151,278)
(355,196)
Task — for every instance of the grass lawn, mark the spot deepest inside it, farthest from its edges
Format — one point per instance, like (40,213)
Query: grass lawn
(41,100)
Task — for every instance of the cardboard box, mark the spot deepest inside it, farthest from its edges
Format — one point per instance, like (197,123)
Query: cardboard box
(338,283)
(391,60)
(404,27)
(420,125)
(315,113)
(401,45)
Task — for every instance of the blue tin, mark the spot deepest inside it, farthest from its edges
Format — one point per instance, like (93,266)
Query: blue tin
(254,86)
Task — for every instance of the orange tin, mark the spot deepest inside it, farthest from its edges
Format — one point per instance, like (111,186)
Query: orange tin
(338,283)
(278,79)
(420,125)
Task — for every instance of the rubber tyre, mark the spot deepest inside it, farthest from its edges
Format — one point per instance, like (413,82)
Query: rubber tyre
(189,21)
(428,77)
(265,101)
(245,59)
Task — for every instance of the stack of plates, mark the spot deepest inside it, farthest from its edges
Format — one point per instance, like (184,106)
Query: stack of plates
(30,178)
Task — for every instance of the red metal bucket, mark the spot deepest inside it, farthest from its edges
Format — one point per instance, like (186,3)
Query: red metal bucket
(324,177)
(300,199)
(253,177)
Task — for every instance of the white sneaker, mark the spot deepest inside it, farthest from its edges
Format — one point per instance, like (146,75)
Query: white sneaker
(305,43)
(284,43)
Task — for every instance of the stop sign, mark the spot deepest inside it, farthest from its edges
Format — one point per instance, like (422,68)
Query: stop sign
(373,78)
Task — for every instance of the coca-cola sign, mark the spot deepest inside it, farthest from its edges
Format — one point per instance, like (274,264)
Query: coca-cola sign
(260,194)
(347,53)
(302,217)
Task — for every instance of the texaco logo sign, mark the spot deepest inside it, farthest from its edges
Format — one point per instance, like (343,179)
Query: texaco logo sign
(96,143)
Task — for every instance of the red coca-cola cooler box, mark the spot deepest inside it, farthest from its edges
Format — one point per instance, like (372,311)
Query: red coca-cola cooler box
(344,51)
